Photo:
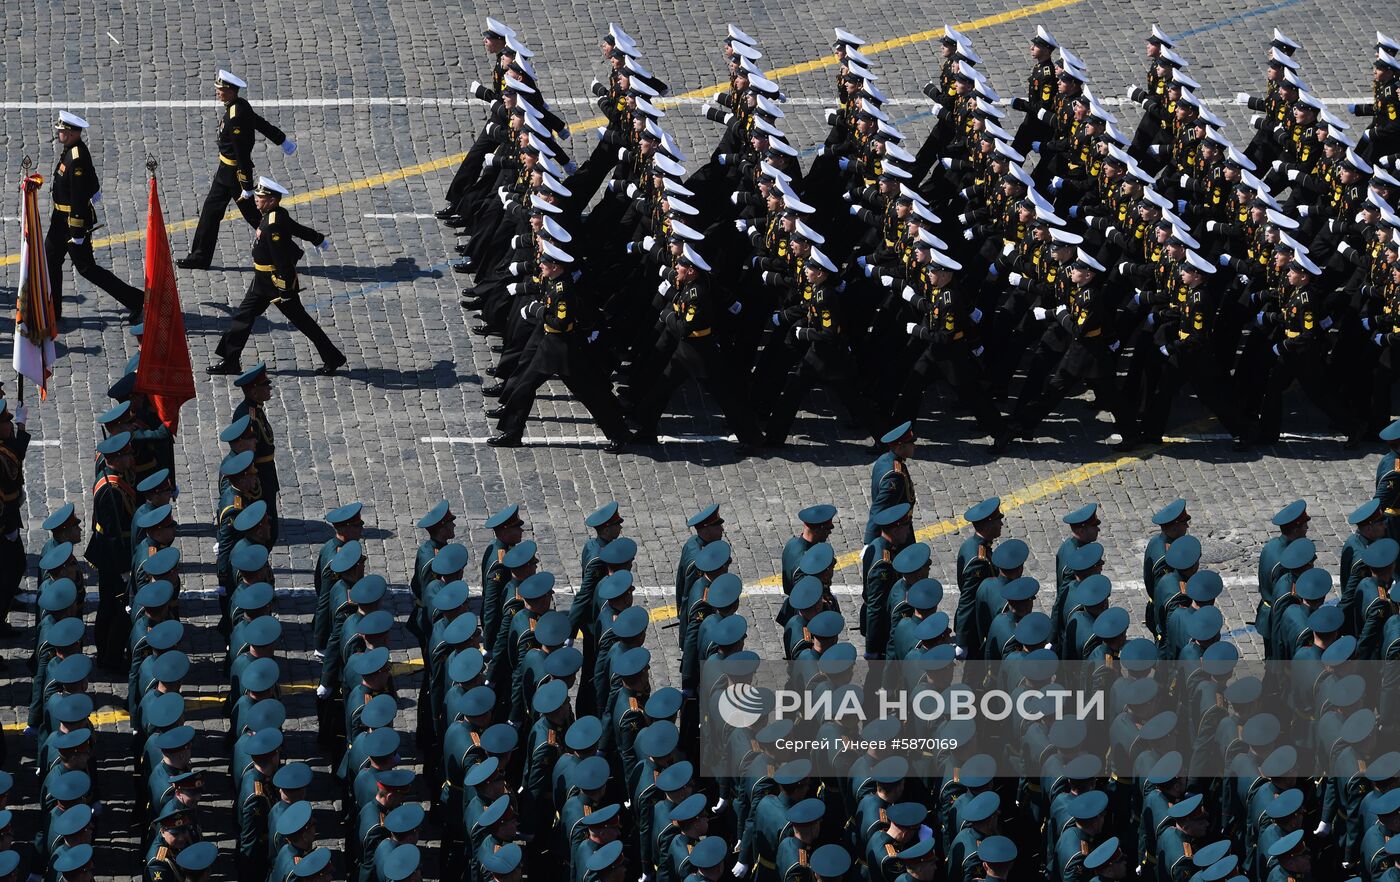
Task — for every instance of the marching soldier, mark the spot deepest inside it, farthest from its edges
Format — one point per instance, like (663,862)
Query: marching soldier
(14,445)
(76,192)
(233,178)
(275,282)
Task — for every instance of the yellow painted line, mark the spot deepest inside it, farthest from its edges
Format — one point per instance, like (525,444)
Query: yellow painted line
(118,716)
(442,162)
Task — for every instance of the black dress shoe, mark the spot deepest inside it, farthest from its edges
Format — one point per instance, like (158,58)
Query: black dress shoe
(495,390)
(446,213)
(459,222)
(615,446)
(504,440)
(464,267)
(332,366)
(481,329)
(189,261)
(471,303)
(493,371)
(498,348)
(496,412)
(224,369)
(463,248)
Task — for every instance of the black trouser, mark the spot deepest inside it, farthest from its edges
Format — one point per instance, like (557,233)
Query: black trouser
(56,246)
(470,168)
(13,566)
(1193,364)
(960,368)
(1085,362)
(591,391)
(222,189)
(712,375)
(836,377)
(262,293)
(1306,363)
(113,625)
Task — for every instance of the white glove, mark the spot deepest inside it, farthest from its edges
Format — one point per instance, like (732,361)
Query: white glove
(946,162)
(908,295)
(704,110)
(887,281)
(1185,180)
(325,244)
(648,242)
(736,308)
(1323,829)
(909,328)
(740,871)
(1162,349)
(1254,120)
(1155,150)
(1113,347)
(514,268)
(1293,174)
(601,131)
(1056,183)
(855,210)
(631,190)
(593,336)
(1224,259)
(515,241)
(663,288)
(289,146)
(1210,226)
(323,692)
(741,225)
(734,198)
(1241,99)
(78,241)
(975,315)
(1015,279)
(1040,313)
(1276,165)
(1007,249)
(476,84)
(719,806)
(524,314)
(96,197)
(22,414)
(513,288)
(967,234)
(1061,309)
(843,163)
(246,194)
(1343,247)
(1302,211)
(977,353)
(775,319)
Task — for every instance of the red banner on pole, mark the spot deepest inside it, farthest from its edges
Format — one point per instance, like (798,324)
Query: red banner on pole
(164,372)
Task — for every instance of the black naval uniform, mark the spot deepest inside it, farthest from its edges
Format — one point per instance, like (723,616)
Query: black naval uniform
(70,232)
(232,178)
(275,257)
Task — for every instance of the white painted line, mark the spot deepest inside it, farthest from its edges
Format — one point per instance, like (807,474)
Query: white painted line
(45,442)
(114,39)
(402,214)
(579,439)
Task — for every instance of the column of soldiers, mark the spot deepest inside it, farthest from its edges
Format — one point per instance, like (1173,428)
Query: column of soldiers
(1133,265)
(544,740)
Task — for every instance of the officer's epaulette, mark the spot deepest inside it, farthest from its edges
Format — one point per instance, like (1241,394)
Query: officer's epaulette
(887,555)
(500,555)
(258,788)
(890,850)
(77,152)
(271,217)
(162,853)
(1084,847)
(982,552)
(233,110)
(884,816)
(552,739)
(632,703)
(802,857)
(1187,850)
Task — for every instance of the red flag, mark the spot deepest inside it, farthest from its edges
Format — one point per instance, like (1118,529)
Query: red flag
(164,372)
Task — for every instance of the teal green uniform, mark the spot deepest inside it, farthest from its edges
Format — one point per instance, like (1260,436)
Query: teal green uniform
(974,567)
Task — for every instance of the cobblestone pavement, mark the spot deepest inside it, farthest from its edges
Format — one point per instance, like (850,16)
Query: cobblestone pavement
(403,427)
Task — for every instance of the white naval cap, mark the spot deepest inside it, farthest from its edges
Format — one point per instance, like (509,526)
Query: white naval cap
(763,84)
(1151,196)
(896,152)
(1043,36)
(872,91)
(993,132)
(822,260)
(682,230)
(651,130)
(846,38)
(1280,220)
(267,186)
(1064,238)
(1283,39)
(518,85)
(674,186)
(672,149)
(802,231)
(1356,161)
(871,109)
(1384,42)
(952,35)
(556,232)
(744,50)
(548,182)
(989,109)
(889,131)
(1085,259)
(795,205)
(1235,157)
(768,169)
(540,204)
(553,253)
(225,79)
(518,47)
(1173,57)
(647,109)
(860,70)
(768,129)
(1388,59)
(1182,235)
(666,166)
(735,34)
(1068,59)
(1305,263)
(499,29)
(70,121)
(780,145)
(1185,80)
(1278,57)
(1160,36)
(1006,151)
(765,104)
(680,206)
(691,256)
(921,210)
(938,257)
(859,57)
(551,165)
(1199,263)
